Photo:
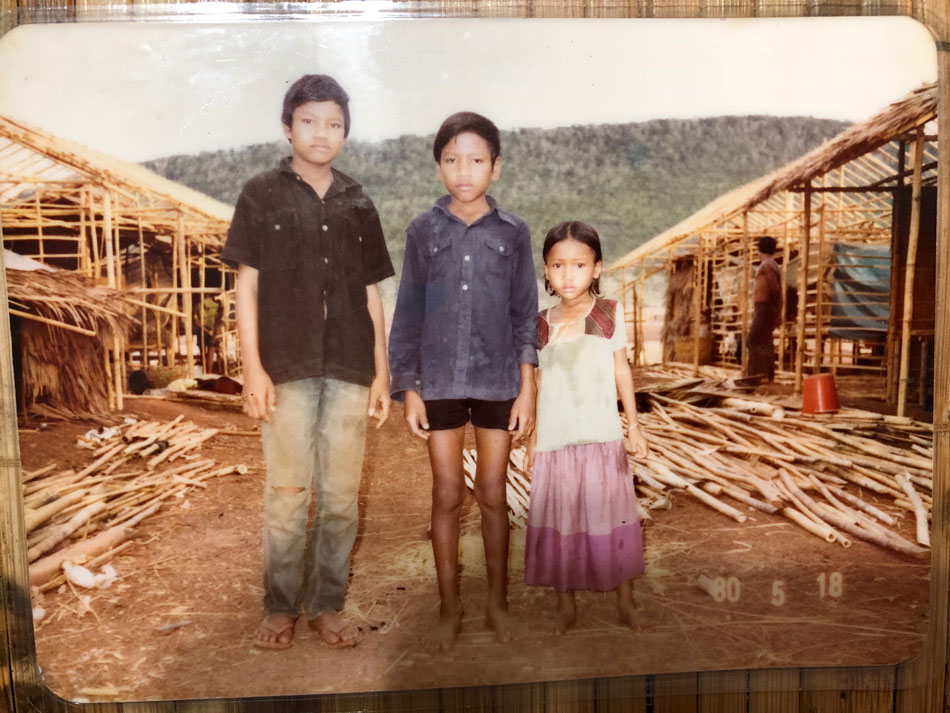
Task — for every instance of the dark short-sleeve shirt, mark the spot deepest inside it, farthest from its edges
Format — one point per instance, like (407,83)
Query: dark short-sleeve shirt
(315,258)
(466,312)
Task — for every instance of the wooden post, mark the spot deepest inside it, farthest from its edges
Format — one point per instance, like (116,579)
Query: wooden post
(786,253)
(107,238)
(184,266)
(819,289)
(909,271)
(203,348)
(891,341)
(39,223)
(745,264)
(697,304)
(143,283)
(171,353)
(804,246)
(85,266)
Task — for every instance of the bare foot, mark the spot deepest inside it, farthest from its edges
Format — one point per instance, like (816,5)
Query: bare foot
(566,615)
(275,632)
(627,613)
(628,617)
(499,621)
(335,631)
(443,636)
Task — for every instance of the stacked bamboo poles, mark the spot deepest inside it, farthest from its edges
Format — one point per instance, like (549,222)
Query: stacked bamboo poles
(90,513)
(825,474)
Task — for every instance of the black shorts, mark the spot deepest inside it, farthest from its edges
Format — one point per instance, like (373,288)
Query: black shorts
(444,414)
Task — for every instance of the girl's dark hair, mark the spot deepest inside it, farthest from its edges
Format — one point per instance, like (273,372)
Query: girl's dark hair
(467,122)
(582,233)
(315,88)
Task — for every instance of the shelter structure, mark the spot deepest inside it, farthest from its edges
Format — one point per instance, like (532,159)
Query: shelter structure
(62,327)
(125,227)
(855,221)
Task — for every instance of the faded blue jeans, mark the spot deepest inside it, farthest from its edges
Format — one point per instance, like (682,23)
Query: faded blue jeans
(313,446)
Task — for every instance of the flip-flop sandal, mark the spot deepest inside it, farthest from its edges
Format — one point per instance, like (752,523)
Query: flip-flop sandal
(342,643)
(278,633)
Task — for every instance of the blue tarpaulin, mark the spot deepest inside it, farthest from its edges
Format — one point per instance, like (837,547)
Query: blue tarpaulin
(860,303)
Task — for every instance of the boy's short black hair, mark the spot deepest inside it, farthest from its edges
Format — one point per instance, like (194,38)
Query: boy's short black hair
(582,233)
(467,121)
(767,245)
(315,88)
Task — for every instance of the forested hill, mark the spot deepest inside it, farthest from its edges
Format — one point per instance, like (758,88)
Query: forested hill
(631,181)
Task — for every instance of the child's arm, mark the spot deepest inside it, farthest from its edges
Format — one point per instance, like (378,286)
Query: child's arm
(624,379)
(405,336)
(532,444)
(524,322)
(260,397)
(521,420)
(379,400)
(415,411)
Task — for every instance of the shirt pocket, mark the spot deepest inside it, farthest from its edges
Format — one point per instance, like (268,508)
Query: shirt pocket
(349,244)
(439,255)
(281,245)
(497,253)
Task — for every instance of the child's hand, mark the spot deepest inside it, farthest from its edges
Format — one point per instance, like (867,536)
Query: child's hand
(638,442)
(416,415)
(379,400)
(528,462)
(521,421)
(259,395)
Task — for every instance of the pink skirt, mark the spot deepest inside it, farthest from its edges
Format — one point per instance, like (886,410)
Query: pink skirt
(583,526)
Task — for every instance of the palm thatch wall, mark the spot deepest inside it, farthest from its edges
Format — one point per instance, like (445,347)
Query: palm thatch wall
(64,325)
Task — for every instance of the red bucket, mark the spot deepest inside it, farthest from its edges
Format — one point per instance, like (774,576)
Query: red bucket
(819,394)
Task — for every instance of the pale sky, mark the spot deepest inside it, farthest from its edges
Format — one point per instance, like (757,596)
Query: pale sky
(141,91)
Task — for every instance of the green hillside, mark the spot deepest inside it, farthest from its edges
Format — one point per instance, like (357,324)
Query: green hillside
(631,181)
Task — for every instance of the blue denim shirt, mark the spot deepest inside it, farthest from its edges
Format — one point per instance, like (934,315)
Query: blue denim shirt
(466,314)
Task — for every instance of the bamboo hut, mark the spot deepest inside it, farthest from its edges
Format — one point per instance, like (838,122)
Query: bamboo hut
(855,220)
(125,227)
(62,327)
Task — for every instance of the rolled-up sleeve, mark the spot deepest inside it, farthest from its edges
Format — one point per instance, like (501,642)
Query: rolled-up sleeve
(405,336)
(377,265)
(524,301)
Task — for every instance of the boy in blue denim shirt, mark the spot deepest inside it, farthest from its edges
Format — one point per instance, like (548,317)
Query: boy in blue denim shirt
(463,346)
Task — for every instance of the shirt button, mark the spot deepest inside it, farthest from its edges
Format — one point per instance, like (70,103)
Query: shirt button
(464,287)
(467,258)
(277,226)
(325,228)
(435,250)
(326,260)
(501,248)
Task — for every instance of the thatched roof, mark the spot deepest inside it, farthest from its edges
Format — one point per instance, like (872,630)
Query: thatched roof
(30,157)
(862,152)
(65,297)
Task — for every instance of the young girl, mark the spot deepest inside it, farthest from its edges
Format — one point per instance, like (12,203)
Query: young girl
(583,526)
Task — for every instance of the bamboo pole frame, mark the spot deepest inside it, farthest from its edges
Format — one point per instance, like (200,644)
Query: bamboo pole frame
(909,273)
(803,250)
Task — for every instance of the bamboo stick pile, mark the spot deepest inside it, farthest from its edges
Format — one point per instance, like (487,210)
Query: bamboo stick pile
(854,474)
(87,516)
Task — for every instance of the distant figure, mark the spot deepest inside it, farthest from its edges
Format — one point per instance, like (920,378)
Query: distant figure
(138,382)
(767,296)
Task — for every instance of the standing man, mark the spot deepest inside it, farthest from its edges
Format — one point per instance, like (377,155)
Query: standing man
(767,296)
(310,249)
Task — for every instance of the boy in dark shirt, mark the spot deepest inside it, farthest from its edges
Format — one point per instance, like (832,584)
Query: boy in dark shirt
(309,250)
(463,345)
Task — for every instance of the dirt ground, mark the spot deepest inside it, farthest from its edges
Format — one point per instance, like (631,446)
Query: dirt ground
(197,565)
